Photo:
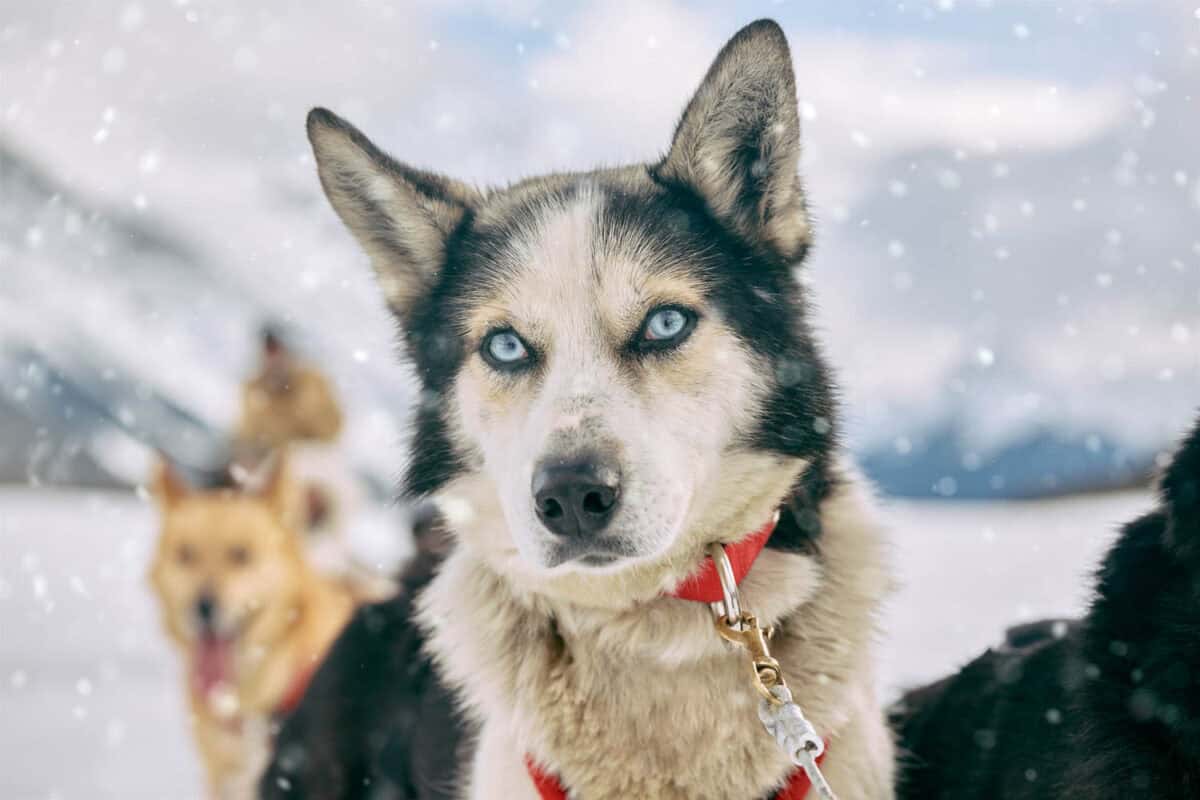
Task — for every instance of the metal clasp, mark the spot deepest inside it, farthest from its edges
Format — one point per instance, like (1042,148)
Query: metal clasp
(767,673)
(742,629)
(780,715)
(731,607)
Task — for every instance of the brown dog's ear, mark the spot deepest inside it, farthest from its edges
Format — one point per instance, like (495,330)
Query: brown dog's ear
(738,143)
(167,485)
(270,481)
(400,215)
(277,487)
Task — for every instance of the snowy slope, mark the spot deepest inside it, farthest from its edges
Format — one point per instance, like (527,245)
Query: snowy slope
(90,706)
(115,334)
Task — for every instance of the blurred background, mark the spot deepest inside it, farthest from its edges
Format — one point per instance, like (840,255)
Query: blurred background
(1007,276)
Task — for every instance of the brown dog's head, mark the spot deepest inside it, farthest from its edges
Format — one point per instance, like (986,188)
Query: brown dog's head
(227,569)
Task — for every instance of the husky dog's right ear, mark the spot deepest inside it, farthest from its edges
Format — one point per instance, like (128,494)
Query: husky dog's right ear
(737,145)
(400,215)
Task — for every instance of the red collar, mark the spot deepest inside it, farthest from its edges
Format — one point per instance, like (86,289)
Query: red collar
(703,586)
(548,787)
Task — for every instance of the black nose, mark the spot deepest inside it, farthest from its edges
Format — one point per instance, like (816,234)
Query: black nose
(576,498)
(206,609)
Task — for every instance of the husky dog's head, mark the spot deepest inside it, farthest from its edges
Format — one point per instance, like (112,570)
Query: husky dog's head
(618,358)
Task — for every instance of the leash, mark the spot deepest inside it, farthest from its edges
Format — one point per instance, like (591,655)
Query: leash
(780,715)
(716,583)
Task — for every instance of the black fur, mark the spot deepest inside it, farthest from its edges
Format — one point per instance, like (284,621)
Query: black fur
(1109,709)
(799,529)
(375,722)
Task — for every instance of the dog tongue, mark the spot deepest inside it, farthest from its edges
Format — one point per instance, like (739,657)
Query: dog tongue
(212,666)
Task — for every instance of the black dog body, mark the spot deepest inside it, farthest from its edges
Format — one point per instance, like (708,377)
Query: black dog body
(1108,707)
(376,721)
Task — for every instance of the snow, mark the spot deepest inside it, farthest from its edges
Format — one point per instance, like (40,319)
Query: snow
(90,700)
(75,607)
(969,570)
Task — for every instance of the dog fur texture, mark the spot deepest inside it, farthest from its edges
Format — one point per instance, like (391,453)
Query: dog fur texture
(1106,707)
(230,576)
(565,647)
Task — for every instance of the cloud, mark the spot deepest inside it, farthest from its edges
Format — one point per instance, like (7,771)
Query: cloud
(865,98)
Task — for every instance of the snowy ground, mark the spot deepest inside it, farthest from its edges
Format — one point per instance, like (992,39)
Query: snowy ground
(89,699)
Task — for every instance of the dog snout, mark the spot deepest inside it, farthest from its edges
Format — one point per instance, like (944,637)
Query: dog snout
(577,497)
(206,609)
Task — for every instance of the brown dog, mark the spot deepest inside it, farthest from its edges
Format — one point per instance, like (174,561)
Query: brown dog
(249,615)
(287,400)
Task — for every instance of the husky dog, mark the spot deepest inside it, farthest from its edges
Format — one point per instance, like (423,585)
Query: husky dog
(1106,707)
(617,372)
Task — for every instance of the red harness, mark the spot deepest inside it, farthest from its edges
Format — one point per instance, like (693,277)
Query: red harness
(548,787)
(295,691)
(703,586)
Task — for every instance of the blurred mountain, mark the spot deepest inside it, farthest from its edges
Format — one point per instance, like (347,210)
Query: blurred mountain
(83,289)
(117,339)
(1042,463)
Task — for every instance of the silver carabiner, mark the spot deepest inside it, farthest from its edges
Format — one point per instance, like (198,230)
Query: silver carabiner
(730,607)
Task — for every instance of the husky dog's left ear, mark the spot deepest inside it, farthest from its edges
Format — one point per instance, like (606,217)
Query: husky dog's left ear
(738,143)
(400,215)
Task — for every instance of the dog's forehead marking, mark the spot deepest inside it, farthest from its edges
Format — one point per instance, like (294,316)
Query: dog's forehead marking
(572,276)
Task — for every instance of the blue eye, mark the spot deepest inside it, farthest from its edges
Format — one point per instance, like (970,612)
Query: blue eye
(665,324)
(504,349)
(666,327)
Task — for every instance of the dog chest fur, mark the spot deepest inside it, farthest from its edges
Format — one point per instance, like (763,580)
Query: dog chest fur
(650,702)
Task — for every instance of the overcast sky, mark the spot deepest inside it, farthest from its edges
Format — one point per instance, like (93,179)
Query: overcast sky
(1008,192)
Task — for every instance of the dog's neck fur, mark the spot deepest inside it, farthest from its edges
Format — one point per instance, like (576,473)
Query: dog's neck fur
(648,685)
